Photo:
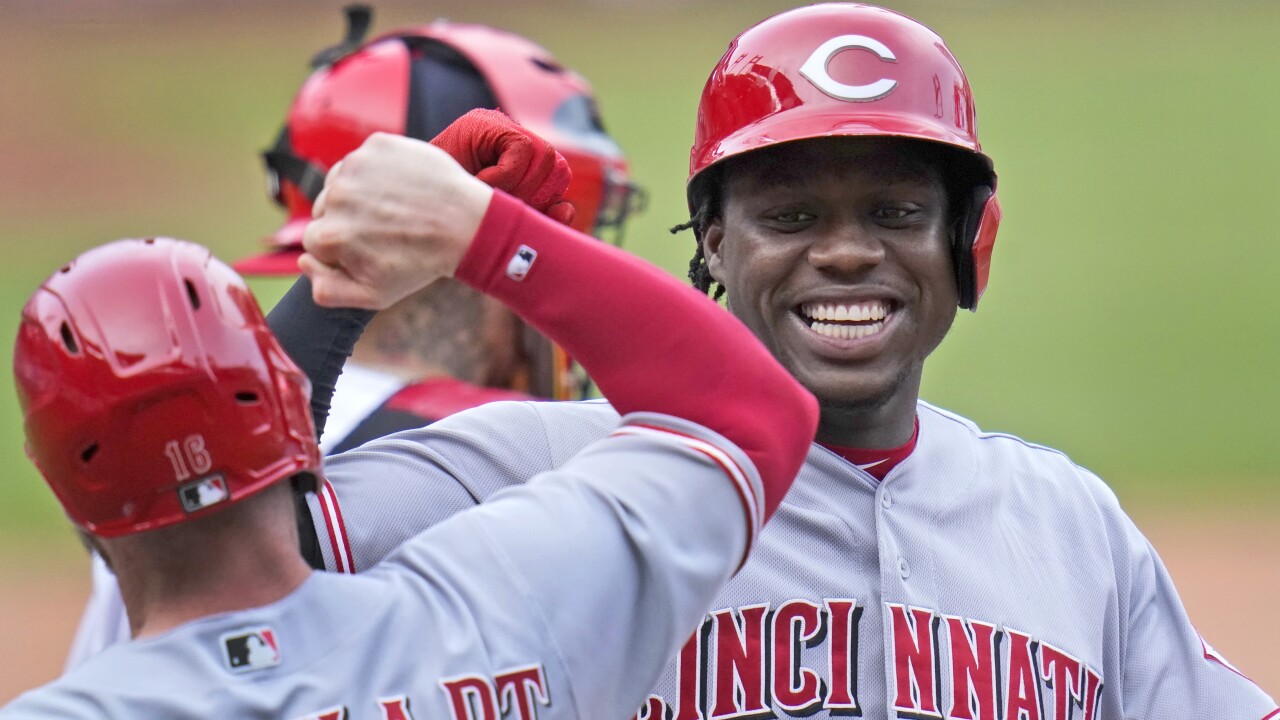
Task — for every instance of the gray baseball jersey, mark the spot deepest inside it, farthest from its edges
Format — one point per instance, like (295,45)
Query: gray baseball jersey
(984,578)
(501,611)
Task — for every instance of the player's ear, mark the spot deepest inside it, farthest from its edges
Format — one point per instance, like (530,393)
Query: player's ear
(712,239)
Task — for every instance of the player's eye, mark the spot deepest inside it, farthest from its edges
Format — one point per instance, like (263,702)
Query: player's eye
(793,217)
(897,214)
(788,219)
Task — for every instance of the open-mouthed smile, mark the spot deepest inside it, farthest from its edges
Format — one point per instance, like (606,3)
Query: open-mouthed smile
(846,321)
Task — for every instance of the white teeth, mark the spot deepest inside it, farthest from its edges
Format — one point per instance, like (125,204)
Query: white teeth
(847,332)
(861,312)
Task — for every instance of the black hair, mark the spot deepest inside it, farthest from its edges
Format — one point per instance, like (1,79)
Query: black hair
(705,207)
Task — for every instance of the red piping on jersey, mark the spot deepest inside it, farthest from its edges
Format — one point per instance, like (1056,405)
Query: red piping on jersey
(740,479)
(1272,714)
(337,528)
(737,473)
(631,325)
(1217,659)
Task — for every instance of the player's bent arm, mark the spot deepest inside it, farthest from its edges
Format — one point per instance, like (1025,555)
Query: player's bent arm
(608,563)
(1170,670)
(650,342)
(437,470)
(318,340)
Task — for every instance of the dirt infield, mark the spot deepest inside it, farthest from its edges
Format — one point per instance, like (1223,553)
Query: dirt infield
(1224,562)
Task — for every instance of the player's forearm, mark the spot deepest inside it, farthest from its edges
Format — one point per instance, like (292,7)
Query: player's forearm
(318,339)
(650,342)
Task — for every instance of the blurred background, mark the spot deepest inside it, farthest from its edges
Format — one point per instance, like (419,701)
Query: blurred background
(1130,321)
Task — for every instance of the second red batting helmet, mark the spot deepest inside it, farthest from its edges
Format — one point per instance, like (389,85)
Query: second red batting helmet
(152,390)
(844,69)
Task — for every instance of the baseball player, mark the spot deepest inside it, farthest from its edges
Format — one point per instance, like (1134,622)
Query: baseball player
(919,567)
(446,347)
(166,418)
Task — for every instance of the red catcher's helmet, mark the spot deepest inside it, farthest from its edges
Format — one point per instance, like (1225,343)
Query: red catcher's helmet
(152,390)
(414,82)
(844,69)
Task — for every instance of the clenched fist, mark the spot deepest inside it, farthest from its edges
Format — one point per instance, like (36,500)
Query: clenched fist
(398,213)
(505,155)
(394,215)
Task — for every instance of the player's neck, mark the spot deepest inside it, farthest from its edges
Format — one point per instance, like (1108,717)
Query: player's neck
(869,427)
(244,557)
(240,584)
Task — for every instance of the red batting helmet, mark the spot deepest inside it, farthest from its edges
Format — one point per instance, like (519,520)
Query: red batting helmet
(152,390)
(843,69)
(414,82)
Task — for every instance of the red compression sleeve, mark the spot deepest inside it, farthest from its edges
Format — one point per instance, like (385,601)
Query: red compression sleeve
(650,342)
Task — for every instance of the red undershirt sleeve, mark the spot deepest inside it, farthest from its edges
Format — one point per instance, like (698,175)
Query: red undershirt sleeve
(650,342)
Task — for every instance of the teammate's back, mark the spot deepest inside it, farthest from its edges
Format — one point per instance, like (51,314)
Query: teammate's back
(491,607)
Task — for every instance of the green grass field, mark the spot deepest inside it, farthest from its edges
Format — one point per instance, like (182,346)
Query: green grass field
(1131,319)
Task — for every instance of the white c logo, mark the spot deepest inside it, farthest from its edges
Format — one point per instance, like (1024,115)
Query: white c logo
(815,69)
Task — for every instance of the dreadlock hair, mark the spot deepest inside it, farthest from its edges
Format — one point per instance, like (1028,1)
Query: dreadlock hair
(705,200)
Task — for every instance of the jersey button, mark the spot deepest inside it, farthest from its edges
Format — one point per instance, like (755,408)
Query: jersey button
(903,568)
(886,499)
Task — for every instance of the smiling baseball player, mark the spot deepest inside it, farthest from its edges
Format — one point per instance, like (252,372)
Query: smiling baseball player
(920,567)
(167,419)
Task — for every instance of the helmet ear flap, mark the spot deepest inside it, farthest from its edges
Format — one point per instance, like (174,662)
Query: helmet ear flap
(972,240)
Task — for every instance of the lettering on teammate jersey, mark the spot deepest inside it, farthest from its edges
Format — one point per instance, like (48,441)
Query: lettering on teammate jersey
(748,662)
(395,708)
(991,673)
(476,697)
(801,658)
(251,649)
(915,650)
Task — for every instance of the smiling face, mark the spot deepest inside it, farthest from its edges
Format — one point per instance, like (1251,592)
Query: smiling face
(836,253)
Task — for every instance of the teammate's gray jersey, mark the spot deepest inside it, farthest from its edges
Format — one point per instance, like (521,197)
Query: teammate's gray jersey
(560,599)
(984,578)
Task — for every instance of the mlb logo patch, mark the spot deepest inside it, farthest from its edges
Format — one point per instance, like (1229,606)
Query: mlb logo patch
(204,492)
(252,649)
(520,263)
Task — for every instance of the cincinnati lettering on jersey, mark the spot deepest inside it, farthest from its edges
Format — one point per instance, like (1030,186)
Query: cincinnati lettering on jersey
(515,694)
(746,663)
(994,673)
(748,660)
